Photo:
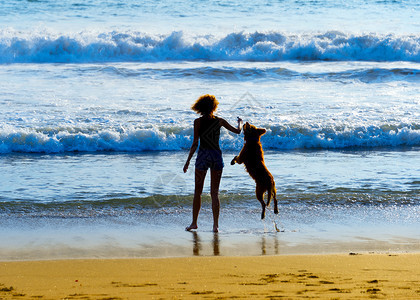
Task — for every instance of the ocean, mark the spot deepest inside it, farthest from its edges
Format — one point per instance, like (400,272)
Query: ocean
(96,125)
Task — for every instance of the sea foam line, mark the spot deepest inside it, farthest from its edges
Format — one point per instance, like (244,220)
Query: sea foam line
(367,74)
(135,205)
(86,47)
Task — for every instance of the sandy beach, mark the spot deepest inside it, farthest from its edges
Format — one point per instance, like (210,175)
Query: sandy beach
(341,276)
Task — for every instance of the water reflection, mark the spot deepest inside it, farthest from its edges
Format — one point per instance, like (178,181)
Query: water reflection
(273,248)
(216,243)
(197,244)
(267,244)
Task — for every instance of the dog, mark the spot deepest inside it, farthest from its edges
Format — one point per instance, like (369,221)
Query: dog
(252,155)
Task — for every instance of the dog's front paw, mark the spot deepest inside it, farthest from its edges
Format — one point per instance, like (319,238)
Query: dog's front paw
(233,161)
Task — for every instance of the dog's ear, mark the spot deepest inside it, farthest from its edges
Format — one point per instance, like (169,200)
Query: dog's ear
(261,131)
(246,126)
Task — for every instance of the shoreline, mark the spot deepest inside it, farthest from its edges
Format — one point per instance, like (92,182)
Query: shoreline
(302,254)
(182,244)
(344,276)
(302,231)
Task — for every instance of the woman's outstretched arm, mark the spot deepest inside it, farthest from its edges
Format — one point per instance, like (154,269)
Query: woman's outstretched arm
(229,127)
(194,144)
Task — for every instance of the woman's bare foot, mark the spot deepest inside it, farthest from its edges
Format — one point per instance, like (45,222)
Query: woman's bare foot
(191,227)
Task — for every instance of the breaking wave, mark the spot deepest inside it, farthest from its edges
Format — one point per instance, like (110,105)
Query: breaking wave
(87,47)
(59,140)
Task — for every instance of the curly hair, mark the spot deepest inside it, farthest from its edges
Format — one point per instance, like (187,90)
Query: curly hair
(205,105)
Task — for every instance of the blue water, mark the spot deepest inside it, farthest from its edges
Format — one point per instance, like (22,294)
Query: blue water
(95,125)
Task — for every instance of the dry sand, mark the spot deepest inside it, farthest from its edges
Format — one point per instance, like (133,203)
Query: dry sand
(381,276)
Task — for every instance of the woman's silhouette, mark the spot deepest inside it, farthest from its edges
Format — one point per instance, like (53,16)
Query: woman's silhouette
(207,131)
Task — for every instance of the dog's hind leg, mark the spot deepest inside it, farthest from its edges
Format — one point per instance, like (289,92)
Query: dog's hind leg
(260,196)
(276,209)
(272,193)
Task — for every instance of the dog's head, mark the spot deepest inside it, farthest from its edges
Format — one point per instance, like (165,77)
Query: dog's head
(252,133)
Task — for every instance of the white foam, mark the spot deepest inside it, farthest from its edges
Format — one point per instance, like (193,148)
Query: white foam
(85,47)
(179,139)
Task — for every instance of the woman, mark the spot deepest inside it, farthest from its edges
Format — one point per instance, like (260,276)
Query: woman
(207,131)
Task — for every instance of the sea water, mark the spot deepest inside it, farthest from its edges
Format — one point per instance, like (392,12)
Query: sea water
(96,125)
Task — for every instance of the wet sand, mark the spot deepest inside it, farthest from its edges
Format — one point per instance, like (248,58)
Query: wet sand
(341,276)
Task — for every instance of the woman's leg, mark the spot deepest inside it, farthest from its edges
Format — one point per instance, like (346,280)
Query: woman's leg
(216,175)
(199,182)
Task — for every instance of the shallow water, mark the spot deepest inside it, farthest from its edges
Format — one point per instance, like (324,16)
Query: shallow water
(72,206)
(372,176)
